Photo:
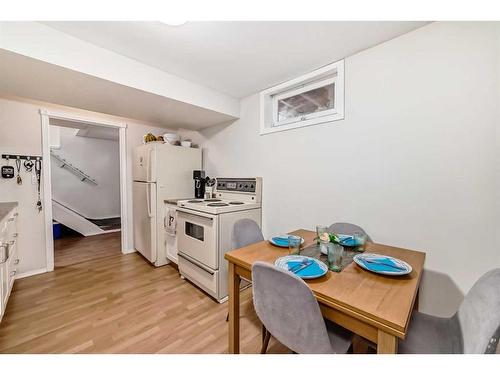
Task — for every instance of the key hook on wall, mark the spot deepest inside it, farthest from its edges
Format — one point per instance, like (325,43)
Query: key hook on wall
(22,157)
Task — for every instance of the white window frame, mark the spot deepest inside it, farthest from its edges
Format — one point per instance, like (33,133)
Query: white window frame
(304,88)
(332,73)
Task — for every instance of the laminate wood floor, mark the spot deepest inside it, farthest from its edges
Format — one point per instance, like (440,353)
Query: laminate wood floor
(76,248)
(120,304)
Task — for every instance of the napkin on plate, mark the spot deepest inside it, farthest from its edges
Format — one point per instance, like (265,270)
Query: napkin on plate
(280,240)
(312,270)
(382,264)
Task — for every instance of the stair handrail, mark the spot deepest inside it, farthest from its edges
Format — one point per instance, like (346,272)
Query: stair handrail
(77,171)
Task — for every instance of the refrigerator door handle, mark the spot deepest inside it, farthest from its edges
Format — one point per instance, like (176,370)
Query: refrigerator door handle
(148,201)
(148,168)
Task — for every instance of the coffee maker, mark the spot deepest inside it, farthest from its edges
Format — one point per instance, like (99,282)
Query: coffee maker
(199,184)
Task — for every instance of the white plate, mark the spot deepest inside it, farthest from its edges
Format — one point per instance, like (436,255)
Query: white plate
(359,260)
(281,235)
(321,268)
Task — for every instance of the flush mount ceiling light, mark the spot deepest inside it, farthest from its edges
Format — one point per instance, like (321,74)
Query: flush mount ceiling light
(174,22)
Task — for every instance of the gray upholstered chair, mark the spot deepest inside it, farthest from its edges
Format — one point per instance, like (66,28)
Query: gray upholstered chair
(347,228)
(289,311)
(475,327)
(245,232)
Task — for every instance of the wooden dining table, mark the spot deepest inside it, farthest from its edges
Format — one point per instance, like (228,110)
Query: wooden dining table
(373,306)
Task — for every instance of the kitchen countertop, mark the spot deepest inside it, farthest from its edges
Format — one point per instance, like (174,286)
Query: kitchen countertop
(5,208)
(174,201)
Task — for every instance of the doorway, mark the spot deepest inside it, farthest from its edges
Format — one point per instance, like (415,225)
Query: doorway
(84,188)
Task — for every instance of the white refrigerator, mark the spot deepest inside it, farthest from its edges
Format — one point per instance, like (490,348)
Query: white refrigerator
(161,171)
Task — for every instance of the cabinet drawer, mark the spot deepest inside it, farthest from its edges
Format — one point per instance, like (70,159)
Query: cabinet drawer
(204,277)
(4,231)
(3,288)
(11,228)
(12,266)
(4,250)
(8,257)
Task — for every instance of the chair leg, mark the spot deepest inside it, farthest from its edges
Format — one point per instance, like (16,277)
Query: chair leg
(266,336)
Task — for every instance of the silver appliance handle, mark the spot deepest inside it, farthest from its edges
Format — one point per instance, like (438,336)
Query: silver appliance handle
(195,213)
(196,263)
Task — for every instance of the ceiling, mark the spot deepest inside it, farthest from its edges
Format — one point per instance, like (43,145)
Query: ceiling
(88,130)
(99,132)
(237,58)
(35,79)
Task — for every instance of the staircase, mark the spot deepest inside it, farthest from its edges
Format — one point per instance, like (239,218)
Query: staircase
(72,219)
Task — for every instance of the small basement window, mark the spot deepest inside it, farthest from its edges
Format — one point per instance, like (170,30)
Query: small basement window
(315,98)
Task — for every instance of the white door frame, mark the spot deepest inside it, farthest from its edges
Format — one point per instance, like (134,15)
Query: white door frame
(46,115)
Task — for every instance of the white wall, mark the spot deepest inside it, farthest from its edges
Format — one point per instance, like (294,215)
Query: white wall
(415,162)
(98,158)
(20,133)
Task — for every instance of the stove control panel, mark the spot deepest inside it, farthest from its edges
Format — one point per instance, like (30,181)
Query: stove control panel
(244,185)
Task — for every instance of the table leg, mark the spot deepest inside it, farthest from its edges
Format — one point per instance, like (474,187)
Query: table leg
(386,343)
(359,345)
(234,310)
(417,297)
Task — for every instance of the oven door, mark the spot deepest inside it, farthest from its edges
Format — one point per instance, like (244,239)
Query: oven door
(197,237)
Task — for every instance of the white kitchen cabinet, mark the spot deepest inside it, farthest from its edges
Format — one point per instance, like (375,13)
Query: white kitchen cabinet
(9,259)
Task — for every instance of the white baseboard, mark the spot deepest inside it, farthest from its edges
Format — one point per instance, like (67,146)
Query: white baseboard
(93,233)
(31,273)
(130,251)
(111,231)
(101,232)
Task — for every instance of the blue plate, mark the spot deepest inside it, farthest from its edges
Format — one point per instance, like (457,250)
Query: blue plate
(282,240)
(316,269)
(345,240)
(348,241)
(382,264)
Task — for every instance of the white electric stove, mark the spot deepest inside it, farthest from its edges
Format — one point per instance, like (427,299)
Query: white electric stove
(230,195)
(205,227)
(217,206)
